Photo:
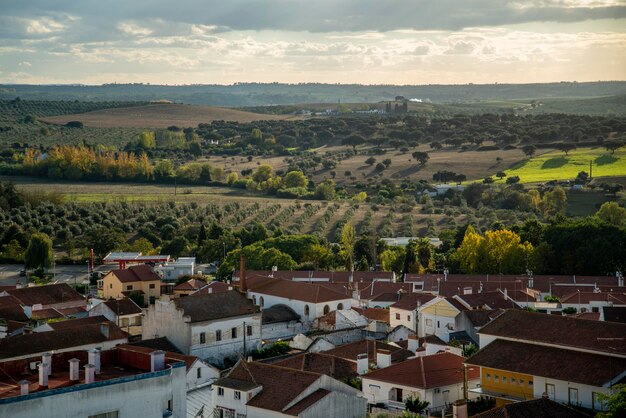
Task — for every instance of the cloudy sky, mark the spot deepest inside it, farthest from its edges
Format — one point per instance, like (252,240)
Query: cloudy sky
(330,41)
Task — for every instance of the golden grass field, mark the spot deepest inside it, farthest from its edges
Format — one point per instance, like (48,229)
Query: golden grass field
(161,115)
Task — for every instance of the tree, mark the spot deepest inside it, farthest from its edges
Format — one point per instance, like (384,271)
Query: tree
(529,150)
(142,245)
(202,235)
(415,404)
(387,162)
(232,178)
(615,402)
(612,213)
(103,240)
(325,190)
(39,252)
(566,147)
(421,157)
(353,141)
(513,180)
(554,201)
(13,251)
(370,161)
(614,145)
(295,179)
(392,259)
(500,174)
(263,173)
(346,244)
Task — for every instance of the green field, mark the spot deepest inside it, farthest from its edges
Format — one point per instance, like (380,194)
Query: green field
(555,165)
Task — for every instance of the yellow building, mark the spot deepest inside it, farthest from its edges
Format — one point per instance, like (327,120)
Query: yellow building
(510,386)
(121,283)
(437,317)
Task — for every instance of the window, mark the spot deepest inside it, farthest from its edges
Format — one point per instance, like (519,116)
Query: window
(261,302)
(438,324)
(233,332)
(199,373)
(306,311)
(202,338)
(512,380)
(248,330)
(237,395)
(398,316)
(595,309)
(113,414)
(596,401)
(152,286)
(340,306)
(170,405)
(408,317)
(521,381)
(503,379)
(326,309)
(110,285)
(129,287)
(429,322)
(488,376)
(496,378)
(530,383)
(218,335)
(550,391)
(573,396)
(220,391)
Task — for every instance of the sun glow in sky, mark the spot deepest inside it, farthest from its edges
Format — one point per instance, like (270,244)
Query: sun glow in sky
(330,41)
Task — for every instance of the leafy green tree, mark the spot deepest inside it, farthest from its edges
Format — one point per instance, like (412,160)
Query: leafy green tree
(615,403)
(39,252)
(614,145)
(295,179)
(370,161)
(13,251)
(554,201)
(142,245)
(612,213)
(263,173)
(421,157)
(346,244)
(176,247)
(566,147)
(103,240)
(325,190)
(415,404)
(529,150)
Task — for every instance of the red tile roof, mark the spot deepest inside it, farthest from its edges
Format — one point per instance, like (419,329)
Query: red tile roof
(280,384)
(376,314)
(587,297)
(559,330)
(216,306)
(425,372)
(322,363)
(169,355)
(50,294)
(411,301)
(536,408)
(122,307)
(212,287)
(549,362)
(329,276)
(487,300)
(305,292)
(139,273)
(191,284)
(352,350)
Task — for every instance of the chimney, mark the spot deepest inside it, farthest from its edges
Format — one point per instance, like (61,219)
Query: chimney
(74,369)
(383,358)
(413,343)
(506,293)
(242,274)
(362,363)
(94,359)
(43,375)
(24,387)
(104,329)
(90,373)
(250,359)
(46,358)
(157,361)
(459,409)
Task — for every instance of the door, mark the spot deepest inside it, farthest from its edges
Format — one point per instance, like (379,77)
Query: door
(550,391)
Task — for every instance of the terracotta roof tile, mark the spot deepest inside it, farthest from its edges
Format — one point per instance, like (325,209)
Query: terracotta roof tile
(559,330)
(46,295)
(536,408)
(411,301)
(124,306)
(305,292)
(550,362)
(432,371)
(216,306)
(376,314)
(212,287)
(352,350)
(322,363)
(487,300)
(140,273)
(280,385)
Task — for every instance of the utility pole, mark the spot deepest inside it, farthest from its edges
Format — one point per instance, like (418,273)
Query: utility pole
(465,382)
(244,340)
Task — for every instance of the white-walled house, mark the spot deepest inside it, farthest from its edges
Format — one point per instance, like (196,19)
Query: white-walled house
(123,312)
(437,379)
(310,301)
(263,390)
(437,317)
(172,271)
(213,327)
(405,311)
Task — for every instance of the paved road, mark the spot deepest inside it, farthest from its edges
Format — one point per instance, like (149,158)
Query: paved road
(10,273)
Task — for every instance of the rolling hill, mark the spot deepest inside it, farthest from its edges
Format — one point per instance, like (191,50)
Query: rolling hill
(160,115)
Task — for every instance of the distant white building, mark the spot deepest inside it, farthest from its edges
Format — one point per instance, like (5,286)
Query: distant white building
(172,271)
(404,241)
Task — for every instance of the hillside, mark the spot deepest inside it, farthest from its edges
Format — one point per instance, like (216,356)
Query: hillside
(160,115)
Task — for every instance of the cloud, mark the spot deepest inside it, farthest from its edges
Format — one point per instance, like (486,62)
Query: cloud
(25,64)
(133,29)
